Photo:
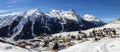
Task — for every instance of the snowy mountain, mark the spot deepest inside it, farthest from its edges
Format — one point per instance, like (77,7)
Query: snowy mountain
(34,23)
(64,14)
(89,17)
(114,24)
(117,21)
(93,19)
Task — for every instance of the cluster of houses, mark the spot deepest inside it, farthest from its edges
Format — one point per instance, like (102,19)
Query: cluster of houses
(106,32)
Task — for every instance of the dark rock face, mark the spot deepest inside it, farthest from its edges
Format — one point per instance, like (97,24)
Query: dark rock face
(4,31)
(71,26)
(42,24)
(26,32)
(14,24)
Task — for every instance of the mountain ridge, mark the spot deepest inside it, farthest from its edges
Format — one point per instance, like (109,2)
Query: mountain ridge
(34,23)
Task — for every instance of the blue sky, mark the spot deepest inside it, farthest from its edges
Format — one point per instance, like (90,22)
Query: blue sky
(107,10)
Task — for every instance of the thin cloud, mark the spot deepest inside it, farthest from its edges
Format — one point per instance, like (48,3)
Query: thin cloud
(15,1)
(10,14)
(9,6)
(2,11)
(15,10)
(9,11)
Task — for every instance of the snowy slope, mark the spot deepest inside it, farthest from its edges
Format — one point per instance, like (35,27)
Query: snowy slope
(114,24)
(11,48)
(6,20)
(104,45)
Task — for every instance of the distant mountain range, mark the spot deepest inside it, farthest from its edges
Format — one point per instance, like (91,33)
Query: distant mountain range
(34,23)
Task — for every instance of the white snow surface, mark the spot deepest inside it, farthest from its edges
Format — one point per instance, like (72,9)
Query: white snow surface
(10,48)
(104,45)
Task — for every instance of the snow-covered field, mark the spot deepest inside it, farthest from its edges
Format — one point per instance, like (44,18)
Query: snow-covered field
(10,48)
(104,45)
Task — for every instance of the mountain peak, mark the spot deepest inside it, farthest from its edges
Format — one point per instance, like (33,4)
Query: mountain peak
(90,17)
(54,10)
(32,12)
(35,10)
(72,10)
(70,14)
